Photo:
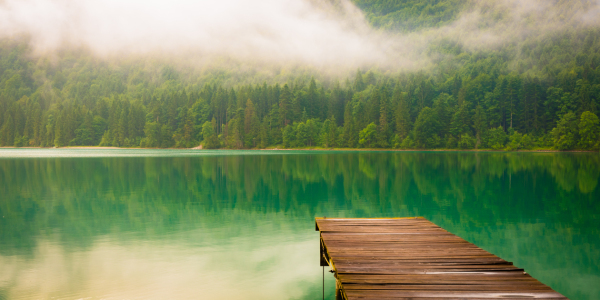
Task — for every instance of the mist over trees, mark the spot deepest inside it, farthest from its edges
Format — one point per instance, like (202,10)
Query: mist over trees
(543,92)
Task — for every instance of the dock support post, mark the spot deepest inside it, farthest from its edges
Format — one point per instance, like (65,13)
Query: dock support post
(323,262)
(338,293)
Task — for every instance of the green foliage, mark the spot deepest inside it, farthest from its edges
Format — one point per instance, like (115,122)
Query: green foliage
(367,136)
(589,131)
(466,142)
(329,133)
(566,134)
(518,141)
(527,142)
(289,136)
(153,137)
(426,128)
(210,140)
(514,141)
(460,124)
(496,138)
(407,143)
(479,124)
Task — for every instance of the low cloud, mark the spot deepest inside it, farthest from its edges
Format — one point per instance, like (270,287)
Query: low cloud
(324,34)
(319,33)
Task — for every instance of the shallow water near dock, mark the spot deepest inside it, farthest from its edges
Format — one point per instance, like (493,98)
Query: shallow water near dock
(181,224)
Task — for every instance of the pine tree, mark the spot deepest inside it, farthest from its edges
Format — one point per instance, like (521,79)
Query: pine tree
(284,105)
(312,100)
(251,125)
(460,122)
(426,127)
(403,123)
(59,134)
(84,134)
(332,133)
(442,111)
(122,129)
(383,128)
(8,130)
(359,84)
(479,122)
(349,133)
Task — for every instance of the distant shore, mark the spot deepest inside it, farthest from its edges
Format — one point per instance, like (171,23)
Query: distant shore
(305,149)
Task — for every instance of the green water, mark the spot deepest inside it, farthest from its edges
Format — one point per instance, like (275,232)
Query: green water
(145,224)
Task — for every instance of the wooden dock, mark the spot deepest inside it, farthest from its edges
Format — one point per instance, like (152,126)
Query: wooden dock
(412,258)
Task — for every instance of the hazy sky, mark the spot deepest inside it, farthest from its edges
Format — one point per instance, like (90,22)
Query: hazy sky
(319,33)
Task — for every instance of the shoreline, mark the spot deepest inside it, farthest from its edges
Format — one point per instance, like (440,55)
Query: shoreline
(313,149)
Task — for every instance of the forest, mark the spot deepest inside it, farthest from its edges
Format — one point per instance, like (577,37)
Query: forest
(542,92)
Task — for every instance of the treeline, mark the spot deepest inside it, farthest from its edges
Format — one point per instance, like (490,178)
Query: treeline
(414,112)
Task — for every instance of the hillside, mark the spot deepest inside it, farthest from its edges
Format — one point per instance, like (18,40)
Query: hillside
(498,76)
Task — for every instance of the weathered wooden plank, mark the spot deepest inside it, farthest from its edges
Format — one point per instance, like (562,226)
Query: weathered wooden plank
(390,252)
(506,276)
(453,294)
(416,259)
(421,271)
(398,246)
(490,260)
(383,237)
(380,264)
(415,256)
(530,287)
(445,282)
(443,298)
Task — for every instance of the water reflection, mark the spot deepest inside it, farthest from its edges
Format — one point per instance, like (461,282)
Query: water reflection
(197,264)
(168,224)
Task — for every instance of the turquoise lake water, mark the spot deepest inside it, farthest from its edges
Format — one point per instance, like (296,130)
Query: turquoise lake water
(171,224)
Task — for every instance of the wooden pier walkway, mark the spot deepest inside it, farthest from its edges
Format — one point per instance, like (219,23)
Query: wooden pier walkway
(412,258)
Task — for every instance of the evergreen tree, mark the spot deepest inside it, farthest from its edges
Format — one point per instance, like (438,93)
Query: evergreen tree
(443,114)
(289,136)
(383,128)
(349,133)
(403,123)
(8,131)
(284,105)
(461,124)
(302,135)
(479,122)
(59,132)
(314,109)
(209,135)
(359,84)
(84,134)
(426,128)
(251,125)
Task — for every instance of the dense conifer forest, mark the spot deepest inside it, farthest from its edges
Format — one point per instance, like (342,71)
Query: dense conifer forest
(542,92)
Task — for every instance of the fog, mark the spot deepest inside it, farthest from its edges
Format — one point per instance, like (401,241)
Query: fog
(275,31)
(324,34)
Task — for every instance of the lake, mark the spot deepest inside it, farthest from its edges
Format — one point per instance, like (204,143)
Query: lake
(181,224)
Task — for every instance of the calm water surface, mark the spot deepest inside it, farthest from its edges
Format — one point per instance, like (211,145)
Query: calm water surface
(145,224)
